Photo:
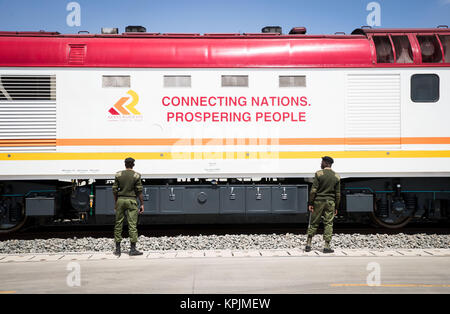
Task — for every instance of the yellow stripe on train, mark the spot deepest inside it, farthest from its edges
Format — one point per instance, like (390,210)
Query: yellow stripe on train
(225,155)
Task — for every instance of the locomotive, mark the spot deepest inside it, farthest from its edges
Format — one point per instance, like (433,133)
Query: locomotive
(224,127)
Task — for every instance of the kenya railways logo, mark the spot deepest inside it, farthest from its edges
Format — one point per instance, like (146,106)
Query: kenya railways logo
(124,109)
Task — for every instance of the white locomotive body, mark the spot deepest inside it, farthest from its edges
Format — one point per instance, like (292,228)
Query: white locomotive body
(365,119)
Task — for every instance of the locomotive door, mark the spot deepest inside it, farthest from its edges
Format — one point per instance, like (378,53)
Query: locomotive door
(372,112)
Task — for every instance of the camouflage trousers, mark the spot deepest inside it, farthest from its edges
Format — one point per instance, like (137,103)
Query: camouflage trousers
(128,207)
(325,209)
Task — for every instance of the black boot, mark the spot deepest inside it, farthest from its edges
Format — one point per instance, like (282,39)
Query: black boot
(308,244)
(134,251)
(117,251)
(327,248)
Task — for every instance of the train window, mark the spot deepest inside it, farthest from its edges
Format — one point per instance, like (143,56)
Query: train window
(384,49)
(430,48)
(27,87)
(116,81)
(425,88)
(177,81)
(234,80)
(403,49)
(445,40)
(292,81)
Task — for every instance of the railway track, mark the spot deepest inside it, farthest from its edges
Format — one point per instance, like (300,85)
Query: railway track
(106,231)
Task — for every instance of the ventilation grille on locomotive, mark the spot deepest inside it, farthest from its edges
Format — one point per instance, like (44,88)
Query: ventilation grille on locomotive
(372,111)
(27,113)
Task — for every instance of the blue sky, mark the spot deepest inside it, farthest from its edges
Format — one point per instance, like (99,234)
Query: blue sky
(225,16)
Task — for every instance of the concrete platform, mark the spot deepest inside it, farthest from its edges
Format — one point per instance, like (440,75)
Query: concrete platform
(39,257)
(228,272)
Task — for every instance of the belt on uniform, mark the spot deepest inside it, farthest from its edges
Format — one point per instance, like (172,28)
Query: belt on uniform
(123,196)
(324,199)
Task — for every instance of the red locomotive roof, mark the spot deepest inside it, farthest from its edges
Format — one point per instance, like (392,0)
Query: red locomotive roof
(154,50)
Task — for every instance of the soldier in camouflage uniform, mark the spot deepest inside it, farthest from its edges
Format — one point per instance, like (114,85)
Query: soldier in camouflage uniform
(324,200)
(127,186)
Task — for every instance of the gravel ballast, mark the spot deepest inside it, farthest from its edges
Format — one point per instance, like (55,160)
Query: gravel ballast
(231,242)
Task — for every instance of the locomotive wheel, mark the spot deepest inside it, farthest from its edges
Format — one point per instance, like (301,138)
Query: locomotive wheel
(10,227)
(391,225)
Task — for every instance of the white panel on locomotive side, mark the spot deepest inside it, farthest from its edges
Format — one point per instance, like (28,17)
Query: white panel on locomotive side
(83,104)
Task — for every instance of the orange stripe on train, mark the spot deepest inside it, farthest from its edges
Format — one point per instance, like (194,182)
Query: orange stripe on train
(251,141)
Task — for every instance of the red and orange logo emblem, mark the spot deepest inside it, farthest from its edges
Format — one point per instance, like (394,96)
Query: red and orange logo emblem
(124,107)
